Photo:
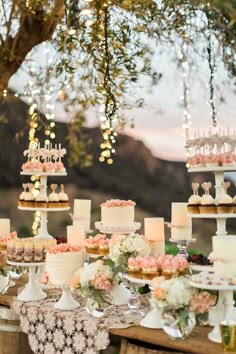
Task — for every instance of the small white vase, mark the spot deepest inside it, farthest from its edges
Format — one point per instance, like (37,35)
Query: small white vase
(120,295)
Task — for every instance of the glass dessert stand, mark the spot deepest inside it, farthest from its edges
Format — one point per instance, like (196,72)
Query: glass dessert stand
(225,299)
(66,301)
(153,317)
(182,246)
(32,291)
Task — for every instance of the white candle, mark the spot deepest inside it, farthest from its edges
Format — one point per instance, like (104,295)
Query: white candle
(4,227)
(181,223)
(154,232)
(82,213)
(75,235)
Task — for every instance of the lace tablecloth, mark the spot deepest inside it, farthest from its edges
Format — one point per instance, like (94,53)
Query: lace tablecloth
(53,331)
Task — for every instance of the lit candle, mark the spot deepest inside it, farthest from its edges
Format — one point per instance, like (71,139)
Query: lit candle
(181,223)
(82,212)
(75,235)
(4,227)
(154,232)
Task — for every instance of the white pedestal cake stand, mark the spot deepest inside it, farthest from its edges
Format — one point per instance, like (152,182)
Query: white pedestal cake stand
(108,229)
(226,293)
(32,291)
(66,301)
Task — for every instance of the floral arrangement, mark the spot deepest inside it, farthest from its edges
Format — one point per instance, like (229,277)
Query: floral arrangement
(202,302)
(64,247)
(122,247)
(5,238)
(174,293)
(117,203)
(94,280)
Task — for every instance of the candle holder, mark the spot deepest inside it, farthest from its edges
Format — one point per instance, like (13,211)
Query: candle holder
(182,246)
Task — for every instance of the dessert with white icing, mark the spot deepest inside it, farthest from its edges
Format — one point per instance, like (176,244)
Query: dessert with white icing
(53,198)
(225,202)
(118,213)
(63,197)
(223,255)
(62,261)
(208,205)
(194,200)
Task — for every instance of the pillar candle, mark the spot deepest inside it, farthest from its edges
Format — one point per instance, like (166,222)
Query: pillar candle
(4,227)
(75,235)
(181,223)
(82,213)
(154,232)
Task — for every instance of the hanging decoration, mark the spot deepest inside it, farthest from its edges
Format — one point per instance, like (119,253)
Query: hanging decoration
(185,98)
(110,104)
(212,68)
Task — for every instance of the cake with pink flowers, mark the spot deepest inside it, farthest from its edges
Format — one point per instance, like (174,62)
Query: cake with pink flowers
(117,213)
(62,261)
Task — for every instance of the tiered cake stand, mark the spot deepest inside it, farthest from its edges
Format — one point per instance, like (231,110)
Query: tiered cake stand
(32,291)
(66,301)
(43,233)
(225,292)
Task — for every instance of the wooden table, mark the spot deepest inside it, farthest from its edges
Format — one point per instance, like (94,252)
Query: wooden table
(197,343)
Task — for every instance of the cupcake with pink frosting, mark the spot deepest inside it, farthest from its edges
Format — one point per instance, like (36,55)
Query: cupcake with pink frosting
(134,267)
(149,266)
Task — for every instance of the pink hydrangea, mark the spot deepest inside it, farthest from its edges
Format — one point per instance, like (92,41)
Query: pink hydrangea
(202,302)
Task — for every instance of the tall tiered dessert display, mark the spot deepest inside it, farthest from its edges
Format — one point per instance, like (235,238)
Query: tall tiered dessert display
(215,154)
(40,164)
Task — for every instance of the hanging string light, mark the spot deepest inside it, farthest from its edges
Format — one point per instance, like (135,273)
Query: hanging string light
(185,98)
(110,106)
(212,68)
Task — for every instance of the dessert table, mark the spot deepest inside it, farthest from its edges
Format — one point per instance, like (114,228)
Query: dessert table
(51,330)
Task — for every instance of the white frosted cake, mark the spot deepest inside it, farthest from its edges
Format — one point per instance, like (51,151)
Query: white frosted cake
(223,255)
(119,213)
(62,261)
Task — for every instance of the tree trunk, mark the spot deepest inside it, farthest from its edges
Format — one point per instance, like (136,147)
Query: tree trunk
(33,30)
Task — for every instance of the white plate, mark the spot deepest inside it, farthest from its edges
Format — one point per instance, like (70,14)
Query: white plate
(201,268)
(26,264)
(212,287)
(43,209)
(212,168)
(138,280)
(38,173)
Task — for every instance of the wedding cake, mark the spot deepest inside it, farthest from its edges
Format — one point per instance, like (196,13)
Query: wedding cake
(62,261)
(223,255)
(119,213)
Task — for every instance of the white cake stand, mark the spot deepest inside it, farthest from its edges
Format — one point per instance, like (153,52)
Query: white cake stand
(32,291)
(66,301)
(226,293)
(153,317)
(109,229)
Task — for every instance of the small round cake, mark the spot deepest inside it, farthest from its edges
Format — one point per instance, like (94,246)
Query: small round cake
(118,213)
(62,261)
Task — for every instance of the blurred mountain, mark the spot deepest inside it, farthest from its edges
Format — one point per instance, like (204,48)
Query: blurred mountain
(135,174)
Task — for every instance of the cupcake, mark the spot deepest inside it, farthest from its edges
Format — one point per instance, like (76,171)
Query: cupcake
(29,197)
(41,201)
(63,198)
(225,203)
(133,268)
(227,159)
(91,245)
(53,198)
(21,201)
(208,205)
(211,160)
(194,200)
(104,247)
(149,267)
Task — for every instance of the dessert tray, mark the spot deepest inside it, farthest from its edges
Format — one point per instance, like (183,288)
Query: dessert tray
(41,173)
(108,229)
(138,281)
(32,291)
(43,209)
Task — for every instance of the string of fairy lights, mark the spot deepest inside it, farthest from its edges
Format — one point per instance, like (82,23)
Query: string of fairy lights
(110,105)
